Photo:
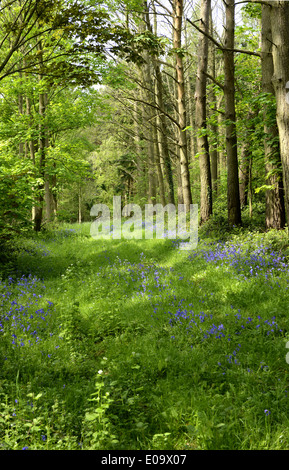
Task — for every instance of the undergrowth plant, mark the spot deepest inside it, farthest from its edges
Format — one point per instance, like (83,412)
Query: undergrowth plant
(135,344)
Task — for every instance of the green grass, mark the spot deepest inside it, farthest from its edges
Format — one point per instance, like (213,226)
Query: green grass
(144,346)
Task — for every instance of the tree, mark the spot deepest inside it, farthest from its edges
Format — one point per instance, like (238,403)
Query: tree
(275,209)
(233,196)
(177,43)
(201,115)
(280,53)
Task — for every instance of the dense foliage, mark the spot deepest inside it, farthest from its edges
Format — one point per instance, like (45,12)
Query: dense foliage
(137,344)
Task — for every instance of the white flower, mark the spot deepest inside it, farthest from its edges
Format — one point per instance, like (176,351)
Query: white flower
(100,372)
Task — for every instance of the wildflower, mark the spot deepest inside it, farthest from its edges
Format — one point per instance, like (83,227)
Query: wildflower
(267,412)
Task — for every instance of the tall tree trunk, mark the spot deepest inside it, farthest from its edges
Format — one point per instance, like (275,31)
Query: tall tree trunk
(222,160)
(159,169)
(79,204)
(41,146)
(162,135)
(201,115)
(234,209)
(275,206)
(149,98)
(177,34)
(280,52)
(21,112)
(163,147)
(214,126)
(42,151)
(179,180)
(244,173)
(141,187)
(32,149)
(190,103)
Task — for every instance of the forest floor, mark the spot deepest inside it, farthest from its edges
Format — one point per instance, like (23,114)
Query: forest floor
(137,345)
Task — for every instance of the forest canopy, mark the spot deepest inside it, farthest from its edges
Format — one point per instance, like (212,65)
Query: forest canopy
(170,102)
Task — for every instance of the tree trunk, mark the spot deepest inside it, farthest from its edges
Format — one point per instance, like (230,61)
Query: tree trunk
(41,147)
(214,127)
(162,135)
(21,112)
(162,131)
(190,107)
(42,151)
(159,169)
(177,33)
(280,52)
(141,187)
(148,97)
(201,116)
(275,206)
(179,180)
(244,173)
(79,204)
(234,209)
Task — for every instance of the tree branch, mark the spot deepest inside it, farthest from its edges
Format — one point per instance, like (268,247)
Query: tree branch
(219,45)
(220,85)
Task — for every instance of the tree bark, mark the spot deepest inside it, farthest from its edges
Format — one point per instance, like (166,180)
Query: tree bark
(177,43)
(162,135)
(159,169)
(201,116)
(214,127)
(233,196)
(275,206)
(244,173)
(149,98)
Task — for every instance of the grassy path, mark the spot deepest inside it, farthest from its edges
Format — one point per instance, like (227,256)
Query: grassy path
(137,345)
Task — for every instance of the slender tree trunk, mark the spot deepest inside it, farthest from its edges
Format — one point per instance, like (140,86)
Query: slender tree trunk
(141,187)
(21,112)
(177,34)
(275,206)
(79,204)
(179,181)
(201,116)
(42,150)
(234,209)
(190,103)
(163,147)
(222,160)
(162,135)
(244,173)
(41,147)
(280,52)
(214,127)
(148,97)
(159,169)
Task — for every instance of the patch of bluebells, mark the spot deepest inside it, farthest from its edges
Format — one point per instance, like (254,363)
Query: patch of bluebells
(25,315)
(196,327)
(244,258)
(187,321)
(201,327)
(37,249)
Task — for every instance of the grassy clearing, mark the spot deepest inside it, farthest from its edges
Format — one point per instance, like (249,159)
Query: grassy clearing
(138,345)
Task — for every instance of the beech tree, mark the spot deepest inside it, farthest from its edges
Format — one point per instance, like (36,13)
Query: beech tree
(275,209)
(280,52)
(201,115)
(182,123)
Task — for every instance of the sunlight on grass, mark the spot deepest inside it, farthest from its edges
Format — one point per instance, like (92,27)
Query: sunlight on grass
(137,345)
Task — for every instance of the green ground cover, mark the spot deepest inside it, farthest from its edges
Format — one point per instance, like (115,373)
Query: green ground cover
(139,345)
